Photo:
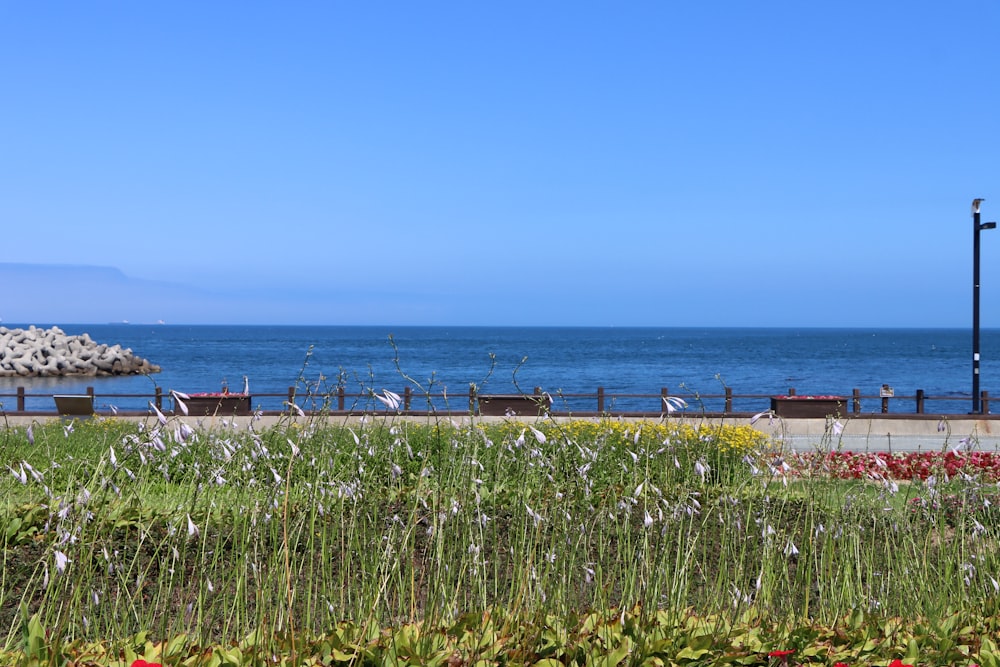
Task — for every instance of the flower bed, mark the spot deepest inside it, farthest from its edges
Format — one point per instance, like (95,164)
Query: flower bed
(903,465)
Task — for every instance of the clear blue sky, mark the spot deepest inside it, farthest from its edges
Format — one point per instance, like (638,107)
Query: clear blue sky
(578,163)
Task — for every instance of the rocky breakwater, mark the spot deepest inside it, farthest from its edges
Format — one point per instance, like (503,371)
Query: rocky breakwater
(50,352)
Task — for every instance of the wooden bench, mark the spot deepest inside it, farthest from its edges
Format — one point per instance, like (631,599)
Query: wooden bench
(77,405)
(519,405)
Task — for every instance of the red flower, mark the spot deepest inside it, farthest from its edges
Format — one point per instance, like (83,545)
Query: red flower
(782,655)
(142,663)
(840,664)
(898,663)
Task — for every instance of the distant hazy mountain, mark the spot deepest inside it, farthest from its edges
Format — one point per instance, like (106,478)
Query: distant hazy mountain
(70,293)
(85,294)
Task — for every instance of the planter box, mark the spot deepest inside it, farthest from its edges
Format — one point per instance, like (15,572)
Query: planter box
(501,405)
(201,406)
(81,405)
(809,407)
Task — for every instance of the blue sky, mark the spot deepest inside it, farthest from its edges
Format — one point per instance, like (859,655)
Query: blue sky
(576,163)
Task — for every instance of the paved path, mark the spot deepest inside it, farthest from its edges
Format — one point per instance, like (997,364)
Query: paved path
(878,433)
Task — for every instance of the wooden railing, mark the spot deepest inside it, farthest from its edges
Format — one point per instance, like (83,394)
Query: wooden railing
(600,402)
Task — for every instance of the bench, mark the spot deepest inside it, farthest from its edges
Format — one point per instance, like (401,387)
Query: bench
(520,405)
(80,405)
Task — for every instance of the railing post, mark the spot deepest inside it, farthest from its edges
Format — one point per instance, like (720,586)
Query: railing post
(920,401)
(664,393)
(340,399)
(20,399)
(729,400)
(791,391)
(986,402)
(407,398)
(158,399)
(472,399)
(856,400)
(291,397)
(600,400)
(885,405)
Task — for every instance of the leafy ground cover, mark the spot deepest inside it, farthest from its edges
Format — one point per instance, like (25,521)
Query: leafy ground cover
(549,543)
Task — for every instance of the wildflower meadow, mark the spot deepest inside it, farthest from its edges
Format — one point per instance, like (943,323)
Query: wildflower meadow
(387,540)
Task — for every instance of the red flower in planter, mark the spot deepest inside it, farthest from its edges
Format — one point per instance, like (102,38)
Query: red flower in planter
(898,663)
(781,655)
(142,663)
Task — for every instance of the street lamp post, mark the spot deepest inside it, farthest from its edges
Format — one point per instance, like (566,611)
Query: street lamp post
(976,228)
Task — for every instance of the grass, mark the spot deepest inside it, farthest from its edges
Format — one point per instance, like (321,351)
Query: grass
(113,531)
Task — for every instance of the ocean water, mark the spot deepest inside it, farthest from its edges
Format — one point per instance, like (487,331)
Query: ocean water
(691,362)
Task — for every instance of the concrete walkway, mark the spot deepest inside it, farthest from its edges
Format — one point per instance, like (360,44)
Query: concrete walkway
(877,433)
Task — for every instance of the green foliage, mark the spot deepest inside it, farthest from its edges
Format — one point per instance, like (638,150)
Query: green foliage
(429,542)
(614,637)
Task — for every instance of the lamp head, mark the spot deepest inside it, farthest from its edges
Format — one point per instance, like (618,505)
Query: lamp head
(975,205)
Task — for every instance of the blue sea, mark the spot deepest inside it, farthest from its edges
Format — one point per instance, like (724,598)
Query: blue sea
(691,362)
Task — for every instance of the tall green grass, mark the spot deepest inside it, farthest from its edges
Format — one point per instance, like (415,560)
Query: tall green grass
(112,528)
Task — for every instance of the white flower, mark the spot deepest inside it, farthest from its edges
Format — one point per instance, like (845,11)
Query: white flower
(674,403)
(964,442)
(192,528)
(539,436)
(61,561)
(390,399)
(537,518)
(179,399)
(159,415)
(19,475)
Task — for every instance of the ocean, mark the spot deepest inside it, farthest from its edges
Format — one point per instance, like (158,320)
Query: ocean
(567,361)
